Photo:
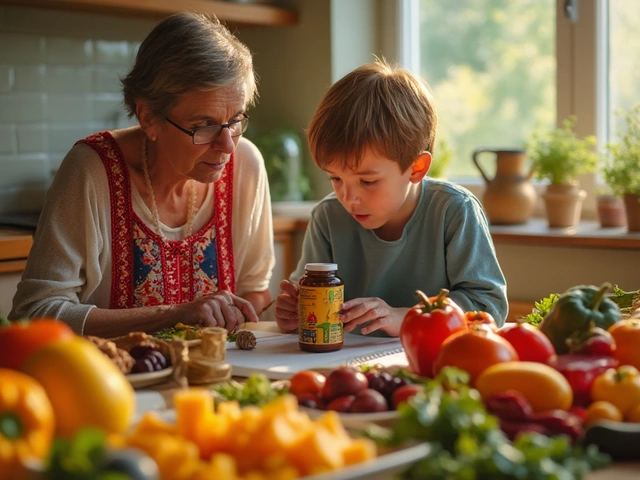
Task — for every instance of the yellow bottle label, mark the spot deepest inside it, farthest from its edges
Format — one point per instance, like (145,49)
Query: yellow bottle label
(319,323)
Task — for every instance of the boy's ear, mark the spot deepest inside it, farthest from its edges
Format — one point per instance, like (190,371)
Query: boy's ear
(420,167)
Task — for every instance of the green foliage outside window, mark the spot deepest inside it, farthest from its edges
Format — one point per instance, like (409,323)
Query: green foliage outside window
(622,167)
(492,66)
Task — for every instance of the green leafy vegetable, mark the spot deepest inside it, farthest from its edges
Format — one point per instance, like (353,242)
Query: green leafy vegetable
(467,443)
(257,390)
(541,308)
(81,458)
(623,299)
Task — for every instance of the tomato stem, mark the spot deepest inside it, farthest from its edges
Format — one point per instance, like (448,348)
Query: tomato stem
(426,303)
(439,302)
(595,303)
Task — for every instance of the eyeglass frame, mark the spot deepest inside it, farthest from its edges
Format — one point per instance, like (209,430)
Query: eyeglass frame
(192,133)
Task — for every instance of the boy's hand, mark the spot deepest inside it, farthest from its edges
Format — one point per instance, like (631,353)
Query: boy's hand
(374,310)
(287,307)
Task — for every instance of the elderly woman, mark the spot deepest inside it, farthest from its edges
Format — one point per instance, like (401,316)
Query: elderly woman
(169,221)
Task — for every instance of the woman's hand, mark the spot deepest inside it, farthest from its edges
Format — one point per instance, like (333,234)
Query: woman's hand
(221,309)
(287,306)
(374,310)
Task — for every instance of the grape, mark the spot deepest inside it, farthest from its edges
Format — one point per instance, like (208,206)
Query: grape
(139,351)
(392,385)
(377,382)
(143,365)
(162,360)
(149,357)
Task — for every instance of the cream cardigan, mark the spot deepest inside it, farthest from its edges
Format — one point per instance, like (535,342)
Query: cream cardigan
(69,267)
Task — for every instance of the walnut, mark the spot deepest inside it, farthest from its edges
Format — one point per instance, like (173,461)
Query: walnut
(245,340)
(123,360)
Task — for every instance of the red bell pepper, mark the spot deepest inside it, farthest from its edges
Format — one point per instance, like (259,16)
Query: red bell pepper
(426,326)
(581,370)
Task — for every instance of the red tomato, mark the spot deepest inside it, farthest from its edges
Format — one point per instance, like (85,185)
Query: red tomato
(473,351)
(481,318)
(20,339)
(426,326)
(531,344)
(404,393)
(307,382)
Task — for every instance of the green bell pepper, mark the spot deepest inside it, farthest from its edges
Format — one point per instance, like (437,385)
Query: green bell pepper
(575,310)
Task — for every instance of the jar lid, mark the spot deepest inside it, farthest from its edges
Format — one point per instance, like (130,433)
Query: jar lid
(321,267)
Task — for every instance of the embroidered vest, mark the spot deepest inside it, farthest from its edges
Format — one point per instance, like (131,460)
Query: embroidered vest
(147,270)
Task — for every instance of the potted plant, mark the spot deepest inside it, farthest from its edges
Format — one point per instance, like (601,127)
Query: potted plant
(622,168)
(282,152)
(559,156)
(610,208)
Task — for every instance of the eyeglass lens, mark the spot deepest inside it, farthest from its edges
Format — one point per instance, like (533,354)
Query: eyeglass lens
(209,134)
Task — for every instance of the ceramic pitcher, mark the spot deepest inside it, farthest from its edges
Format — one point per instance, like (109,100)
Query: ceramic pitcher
(509,197)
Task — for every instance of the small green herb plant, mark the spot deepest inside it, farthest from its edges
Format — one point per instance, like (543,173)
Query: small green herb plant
(559,156)
(622,164)
(541,308)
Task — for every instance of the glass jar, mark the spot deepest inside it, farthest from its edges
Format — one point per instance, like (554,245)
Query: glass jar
(319,302)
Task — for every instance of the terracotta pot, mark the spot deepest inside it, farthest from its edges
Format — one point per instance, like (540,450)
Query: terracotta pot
(611,211)
(509,197)
(563,204)
(632,207)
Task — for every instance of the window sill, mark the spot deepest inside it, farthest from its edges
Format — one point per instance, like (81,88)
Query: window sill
(588,234)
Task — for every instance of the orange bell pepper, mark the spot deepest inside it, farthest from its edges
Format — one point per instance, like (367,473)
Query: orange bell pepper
(26,422)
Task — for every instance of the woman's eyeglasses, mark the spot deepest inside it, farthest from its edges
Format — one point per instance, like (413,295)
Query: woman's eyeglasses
(209,133)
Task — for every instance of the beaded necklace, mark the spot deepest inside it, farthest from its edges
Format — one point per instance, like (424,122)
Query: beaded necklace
(191,210)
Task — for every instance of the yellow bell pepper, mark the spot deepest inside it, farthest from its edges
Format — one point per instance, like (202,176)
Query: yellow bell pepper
(620,387)
(85,388)
(26,422)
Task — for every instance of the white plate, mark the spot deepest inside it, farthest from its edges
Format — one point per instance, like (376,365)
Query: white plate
(141,380)
(354,420)
(384,467)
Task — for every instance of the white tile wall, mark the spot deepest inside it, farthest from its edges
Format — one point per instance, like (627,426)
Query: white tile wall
(59,82)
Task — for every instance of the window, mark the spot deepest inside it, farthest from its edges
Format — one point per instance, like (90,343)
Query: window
(492,67)
(500,69)
(621,46)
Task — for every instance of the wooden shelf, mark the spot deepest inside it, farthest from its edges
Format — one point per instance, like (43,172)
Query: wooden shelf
(228,12)
(586,234)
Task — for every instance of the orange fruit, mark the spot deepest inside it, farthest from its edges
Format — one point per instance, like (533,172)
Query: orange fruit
(602,410)
(633,415)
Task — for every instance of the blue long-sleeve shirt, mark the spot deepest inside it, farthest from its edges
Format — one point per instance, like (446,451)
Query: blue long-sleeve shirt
(445,244)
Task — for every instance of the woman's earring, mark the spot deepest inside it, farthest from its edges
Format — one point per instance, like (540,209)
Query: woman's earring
(152,137)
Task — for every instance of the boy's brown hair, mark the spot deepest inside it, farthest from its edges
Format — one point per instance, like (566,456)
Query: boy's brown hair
(375,106)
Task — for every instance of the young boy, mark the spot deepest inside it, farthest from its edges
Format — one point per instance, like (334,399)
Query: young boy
(391,229)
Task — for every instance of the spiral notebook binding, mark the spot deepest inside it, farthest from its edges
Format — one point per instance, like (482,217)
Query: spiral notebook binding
(373,356)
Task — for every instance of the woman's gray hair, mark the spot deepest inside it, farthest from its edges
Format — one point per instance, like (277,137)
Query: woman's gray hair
(187,52)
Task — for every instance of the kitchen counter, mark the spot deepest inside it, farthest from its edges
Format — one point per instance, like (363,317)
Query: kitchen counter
(14,249)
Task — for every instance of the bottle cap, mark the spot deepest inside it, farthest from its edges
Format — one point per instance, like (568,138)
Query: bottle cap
(321,267)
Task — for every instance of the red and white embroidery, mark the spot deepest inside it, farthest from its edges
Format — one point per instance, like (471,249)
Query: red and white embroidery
(174,274)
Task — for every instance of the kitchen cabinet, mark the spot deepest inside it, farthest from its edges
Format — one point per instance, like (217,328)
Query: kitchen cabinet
(14,249)
(254,14)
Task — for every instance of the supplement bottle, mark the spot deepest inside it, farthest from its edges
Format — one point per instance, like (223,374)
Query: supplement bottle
(319,301)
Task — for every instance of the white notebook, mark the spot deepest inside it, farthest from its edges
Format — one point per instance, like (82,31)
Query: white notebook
(278,355)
